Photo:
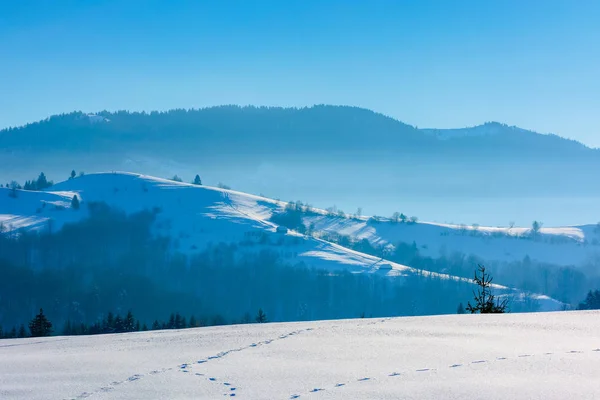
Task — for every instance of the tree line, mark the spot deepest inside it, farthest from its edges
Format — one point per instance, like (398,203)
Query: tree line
(40,325)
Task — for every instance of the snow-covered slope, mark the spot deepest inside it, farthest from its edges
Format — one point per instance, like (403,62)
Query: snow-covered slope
(193,215)
(513,356)
(196,216)
(562,245)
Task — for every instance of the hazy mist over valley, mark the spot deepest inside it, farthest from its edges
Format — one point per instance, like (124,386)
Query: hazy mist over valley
(488,174)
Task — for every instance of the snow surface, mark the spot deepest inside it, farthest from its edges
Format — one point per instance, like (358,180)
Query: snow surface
(511,356)
(196,216)
(575,245)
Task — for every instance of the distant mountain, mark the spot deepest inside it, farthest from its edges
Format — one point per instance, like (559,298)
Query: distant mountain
(268,130)
(319,152)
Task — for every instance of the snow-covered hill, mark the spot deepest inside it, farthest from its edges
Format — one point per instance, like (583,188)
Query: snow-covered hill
(195,216)
(572,245)
(551,356)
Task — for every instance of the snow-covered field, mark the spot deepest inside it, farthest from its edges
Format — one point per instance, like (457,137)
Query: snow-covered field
(510,356)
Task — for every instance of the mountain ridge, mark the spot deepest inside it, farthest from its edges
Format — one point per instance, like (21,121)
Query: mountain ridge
(104,116)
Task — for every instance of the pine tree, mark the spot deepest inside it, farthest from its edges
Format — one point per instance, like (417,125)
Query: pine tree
(109,323)
(75,203)
(171,324)
(42,182)
(144,327)
(485,301)
(13,189)
(119,324)
(129,322)
(22,331)
(193,322)
(67,329)
(73,174)
(197,180)
(137,326)
(13,333)
(155,325)
(460,309)
(180,322)
(40,326)
(261,317)
(591,302)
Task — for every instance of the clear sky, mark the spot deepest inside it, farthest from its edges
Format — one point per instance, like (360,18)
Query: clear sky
(531,63)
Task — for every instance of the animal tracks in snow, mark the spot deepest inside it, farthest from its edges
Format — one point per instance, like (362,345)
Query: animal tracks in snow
(188,368)
(231,390)
(474,363)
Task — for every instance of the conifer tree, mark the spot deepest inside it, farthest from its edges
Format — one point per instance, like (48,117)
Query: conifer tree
(73,174)
(261,317)
(197,180)
(40,326)
(109,323)
(42,182)
(591,302)
(155,325)
(68,329)
(119,324)
(129,322)
(22,331)
(485,301)
(75,203)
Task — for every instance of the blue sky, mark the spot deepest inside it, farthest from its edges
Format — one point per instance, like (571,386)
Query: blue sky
(533,63)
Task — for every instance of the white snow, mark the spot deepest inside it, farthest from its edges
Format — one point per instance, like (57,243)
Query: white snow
(573,245)
(551,356)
